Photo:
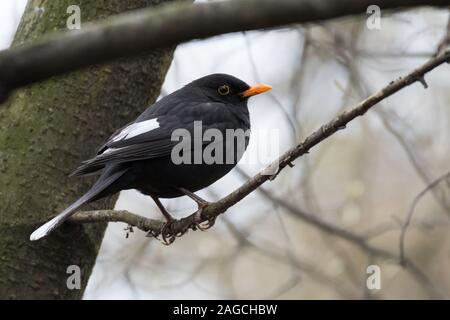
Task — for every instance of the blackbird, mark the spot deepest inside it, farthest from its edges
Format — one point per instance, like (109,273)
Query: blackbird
(140,155)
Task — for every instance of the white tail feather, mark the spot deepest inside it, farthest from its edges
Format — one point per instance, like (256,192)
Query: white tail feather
(46,228)
(51,225)
(99,186)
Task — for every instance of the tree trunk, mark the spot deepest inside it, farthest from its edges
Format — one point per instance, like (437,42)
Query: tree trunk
(45,131)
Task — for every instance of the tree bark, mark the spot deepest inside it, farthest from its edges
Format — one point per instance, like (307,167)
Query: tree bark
(45,131)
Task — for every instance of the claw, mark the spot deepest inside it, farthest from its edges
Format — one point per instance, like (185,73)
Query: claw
(164,235)
(205,225)
(167,238)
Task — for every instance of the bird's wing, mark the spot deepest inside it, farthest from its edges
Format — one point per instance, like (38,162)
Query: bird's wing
(152,137)
(145,130)
(137,141)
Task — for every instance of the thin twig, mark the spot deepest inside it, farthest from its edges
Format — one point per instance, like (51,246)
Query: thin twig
(410,213)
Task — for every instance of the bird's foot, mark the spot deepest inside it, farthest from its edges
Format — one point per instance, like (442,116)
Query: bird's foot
(173,228)
(203,225)
(167,234)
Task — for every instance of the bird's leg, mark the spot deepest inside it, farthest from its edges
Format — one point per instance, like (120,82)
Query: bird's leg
(165,230)
(163,210)
(202,204)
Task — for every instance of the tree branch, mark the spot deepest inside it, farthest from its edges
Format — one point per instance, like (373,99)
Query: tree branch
(147,29)
(179,227)
(410,213)
(125,216)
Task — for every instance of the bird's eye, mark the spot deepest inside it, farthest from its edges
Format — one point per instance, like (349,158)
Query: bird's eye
(224,90)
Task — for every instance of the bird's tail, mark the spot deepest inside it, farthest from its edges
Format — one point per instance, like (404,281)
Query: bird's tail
(103,182)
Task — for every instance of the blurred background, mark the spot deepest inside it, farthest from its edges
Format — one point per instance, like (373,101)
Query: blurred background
(313,232)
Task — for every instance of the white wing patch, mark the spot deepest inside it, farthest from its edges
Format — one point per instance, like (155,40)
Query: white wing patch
(109,150)
(136,129)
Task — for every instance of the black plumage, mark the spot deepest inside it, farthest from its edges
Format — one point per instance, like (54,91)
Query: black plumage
(139,155)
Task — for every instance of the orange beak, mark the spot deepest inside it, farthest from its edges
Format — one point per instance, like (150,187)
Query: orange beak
(254,90)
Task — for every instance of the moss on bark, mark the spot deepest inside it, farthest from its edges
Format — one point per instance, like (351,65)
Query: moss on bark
(45,131)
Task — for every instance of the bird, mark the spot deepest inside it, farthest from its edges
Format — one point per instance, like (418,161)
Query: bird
(144,155)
